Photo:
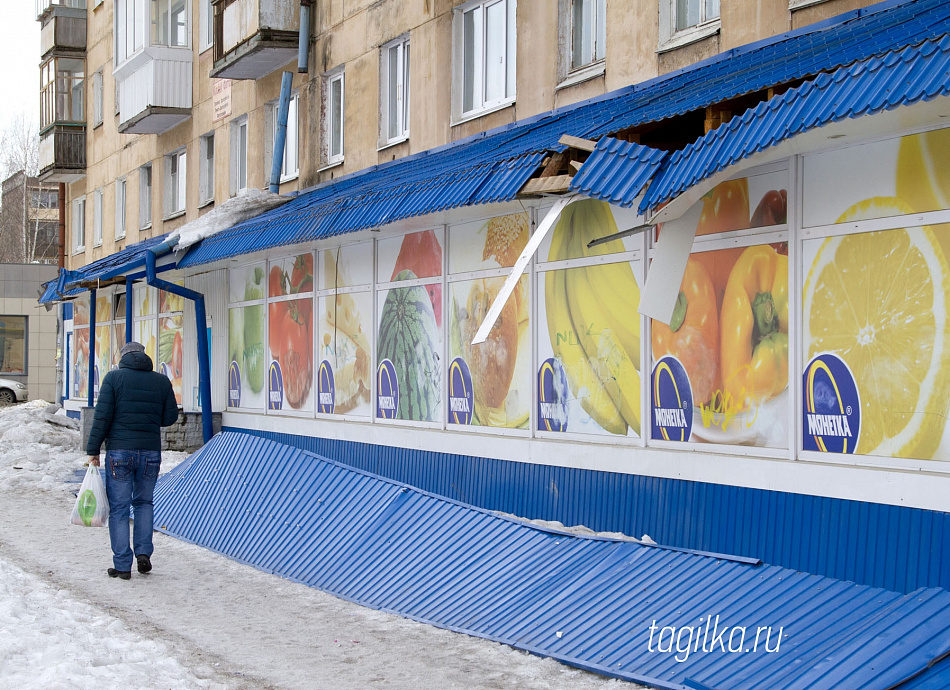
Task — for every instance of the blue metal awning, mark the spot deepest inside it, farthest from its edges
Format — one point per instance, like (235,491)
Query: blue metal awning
(72,283)
(896,79)
(587,601)
(617,171)
(493,166)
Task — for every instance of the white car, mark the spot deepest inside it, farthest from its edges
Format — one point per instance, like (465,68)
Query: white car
(12,392)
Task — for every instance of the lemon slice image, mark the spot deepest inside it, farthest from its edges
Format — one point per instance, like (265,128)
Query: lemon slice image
(878,300)
(923,177)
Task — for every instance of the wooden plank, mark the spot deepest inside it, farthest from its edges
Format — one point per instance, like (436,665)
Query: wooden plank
(554,165)
(577,142)
(547,185)
(576,165)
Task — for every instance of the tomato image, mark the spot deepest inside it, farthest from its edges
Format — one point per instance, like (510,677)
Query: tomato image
(290,341)
(301,278)
(275,314)
(276,282)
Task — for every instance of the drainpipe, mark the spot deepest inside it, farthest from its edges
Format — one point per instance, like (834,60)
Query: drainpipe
(303,47)
(281,139)
(62,225)
(128,310)
(90,397)
(201,324)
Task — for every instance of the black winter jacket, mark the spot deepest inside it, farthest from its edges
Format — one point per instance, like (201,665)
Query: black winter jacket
(134,403)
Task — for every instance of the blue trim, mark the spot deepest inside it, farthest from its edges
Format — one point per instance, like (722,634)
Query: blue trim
(872,544)
(73,414)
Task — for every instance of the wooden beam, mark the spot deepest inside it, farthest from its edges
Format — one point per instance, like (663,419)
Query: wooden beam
(554,165)
(547,185)
(577,142)
(576,165)
(715,116)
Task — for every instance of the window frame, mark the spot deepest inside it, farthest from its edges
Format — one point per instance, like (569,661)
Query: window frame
(672,38)
(98,101)
(176,183)
(331,157)
(480,77)
(24,336)
(145,196)
(239,165)
(79,224)
(121,208)
(403,88)
(205,25)
(205,169)
(292,140)
(97,218)
(598,34)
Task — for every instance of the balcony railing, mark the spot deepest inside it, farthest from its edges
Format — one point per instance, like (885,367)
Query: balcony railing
(43,5)
(63,153)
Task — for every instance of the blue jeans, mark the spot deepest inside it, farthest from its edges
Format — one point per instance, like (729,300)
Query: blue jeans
(130,480)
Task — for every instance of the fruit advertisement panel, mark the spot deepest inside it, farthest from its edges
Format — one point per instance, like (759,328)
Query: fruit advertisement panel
(144,332)
(874,305)
(729,339)
(80,363)
(344,354)
(347,266)
(103,341)
(489,384)
(495,243)
(290,334)
(118,328)
(145,302)
(246,333)
(170,345)
(408,350)
(881,179)
(588,346)
(720,367)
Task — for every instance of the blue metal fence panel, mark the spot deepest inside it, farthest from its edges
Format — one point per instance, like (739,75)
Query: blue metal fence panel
(899,78)
(587,601)
(498,162)
(869,543)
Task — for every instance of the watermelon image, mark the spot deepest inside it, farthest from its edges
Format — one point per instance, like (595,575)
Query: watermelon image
(409,337)
(421,254)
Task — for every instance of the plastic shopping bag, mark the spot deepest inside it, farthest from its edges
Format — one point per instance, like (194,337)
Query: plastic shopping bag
(92,505)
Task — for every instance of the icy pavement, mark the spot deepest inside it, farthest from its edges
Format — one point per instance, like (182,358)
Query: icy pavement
(199,620)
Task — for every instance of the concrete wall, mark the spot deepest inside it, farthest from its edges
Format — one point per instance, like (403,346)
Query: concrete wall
(19,286)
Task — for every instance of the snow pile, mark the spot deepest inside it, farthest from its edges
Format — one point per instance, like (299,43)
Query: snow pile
(35,451)
(247,204)
(577,530)
(50,640)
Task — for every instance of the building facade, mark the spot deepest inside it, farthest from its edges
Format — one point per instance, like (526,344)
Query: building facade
(729,332)
(29,221)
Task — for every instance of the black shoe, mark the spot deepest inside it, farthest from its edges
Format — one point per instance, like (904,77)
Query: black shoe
(144,564)
(121,574)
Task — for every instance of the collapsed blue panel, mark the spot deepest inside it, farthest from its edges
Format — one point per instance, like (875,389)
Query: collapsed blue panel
(587,601)
(899,78)
(617,171)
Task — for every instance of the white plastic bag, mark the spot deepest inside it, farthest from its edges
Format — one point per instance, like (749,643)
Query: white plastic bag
(92,505)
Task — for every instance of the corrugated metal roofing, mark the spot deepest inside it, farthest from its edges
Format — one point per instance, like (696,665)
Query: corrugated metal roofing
(492,166)
(131,255)
(587,601)
(898,78)
(617,171)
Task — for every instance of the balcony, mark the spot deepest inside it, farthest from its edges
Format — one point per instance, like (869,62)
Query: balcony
(153,59)
(63,29)
(44,6)
(253,38)
(63,153)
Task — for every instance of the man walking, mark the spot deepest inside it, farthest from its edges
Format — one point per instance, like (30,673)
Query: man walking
(134,403)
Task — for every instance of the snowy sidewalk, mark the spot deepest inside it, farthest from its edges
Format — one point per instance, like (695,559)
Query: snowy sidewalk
(204,620)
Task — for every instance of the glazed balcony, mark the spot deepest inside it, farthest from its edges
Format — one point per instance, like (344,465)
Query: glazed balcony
(62,119)
(253,38)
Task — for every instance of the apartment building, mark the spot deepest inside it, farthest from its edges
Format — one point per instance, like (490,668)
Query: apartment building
(730,224)
(29,221)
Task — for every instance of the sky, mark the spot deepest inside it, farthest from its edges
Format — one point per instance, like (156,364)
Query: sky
(198,620)
(20,58)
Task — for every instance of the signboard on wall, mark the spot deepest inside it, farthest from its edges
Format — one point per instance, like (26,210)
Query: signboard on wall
(221,99)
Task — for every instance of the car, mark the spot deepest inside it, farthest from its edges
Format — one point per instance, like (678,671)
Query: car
(12,392)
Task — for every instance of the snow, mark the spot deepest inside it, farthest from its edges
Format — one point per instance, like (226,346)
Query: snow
(247,204)
(198,620)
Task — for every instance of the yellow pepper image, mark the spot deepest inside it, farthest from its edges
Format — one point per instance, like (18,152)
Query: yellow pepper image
(754,327)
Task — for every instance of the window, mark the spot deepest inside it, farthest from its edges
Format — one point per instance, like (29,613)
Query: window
(97,218)
(694,12)
(175,182)
(290,166)
(394,95)
(120,208)
(61,91)
(145,196)
(206,169)
(129,34)
(13,332)
(79,224)
(333,117)
(238,155)
(97,105)
(169,25)
(485,63)
(205,25)
(588,32)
